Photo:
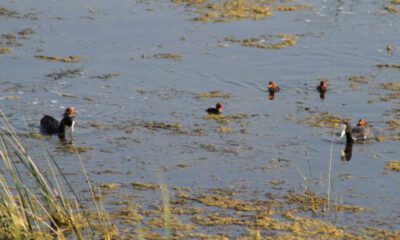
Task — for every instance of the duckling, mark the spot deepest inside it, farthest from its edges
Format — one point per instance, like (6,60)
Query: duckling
(50,125)
(322,87)
(273,87)
(216,110)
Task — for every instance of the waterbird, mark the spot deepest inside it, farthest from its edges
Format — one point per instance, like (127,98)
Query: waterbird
(361,132)
(216,110)
(323,85)
(50,125)
(273,87)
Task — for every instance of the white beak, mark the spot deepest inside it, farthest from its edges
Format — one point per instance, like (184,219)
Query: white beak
(343,131)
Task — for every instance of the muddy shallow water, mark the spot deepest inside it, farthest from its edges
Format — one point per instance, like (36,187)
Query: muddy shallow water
(125,91)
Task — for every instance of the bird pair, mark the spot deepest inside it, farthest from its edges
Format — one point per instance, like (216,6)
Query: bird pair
(273,87)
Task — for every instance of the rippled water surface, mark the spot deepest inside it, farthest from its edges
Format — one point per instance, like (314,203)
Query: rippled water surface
(119,86)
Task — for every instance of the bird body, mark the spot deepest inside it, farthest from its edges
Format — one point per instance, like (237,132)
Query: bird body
(216,110)
(359,133)
(273,87)
(322,87)
(50,125)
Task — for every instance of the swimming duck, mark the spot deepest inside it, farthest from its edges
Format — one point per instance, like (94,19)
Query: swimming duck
(323,85)
(273,87)
(361,132)
(50,125)
(216,110)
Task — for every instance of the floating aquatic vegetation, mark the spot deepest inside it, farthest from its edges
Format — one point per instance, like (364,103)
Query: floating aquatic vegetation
(393,123)
(172,56)
(355,80)
(10,97)
(223,129)
(222,118)
(267,41)
(106,76)
(231,10)
(360,78)
(130,126)
(214,94)
(220,149)
(174,222)
(68,59)
(389,97)
(393,165)
(388,65)
(380,138)
(215,218)
(24,33)
(190,2)
(277,182)
(67,95)
(285,217)
(392,86)
(222,201)
(62,73)
(305,228)
(35,135)
(145,186)
(309,201)
(73,149)
(110,185)
(7,12)
(4,50)
(128,214)
(153,125)
(323,120)
(11,39)
(290,8)
(391,8)
(379,233)
(275,163)
(185,211)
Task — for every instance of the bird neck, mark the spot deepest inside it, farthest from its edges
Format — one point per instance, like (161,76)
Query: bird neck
(61,127)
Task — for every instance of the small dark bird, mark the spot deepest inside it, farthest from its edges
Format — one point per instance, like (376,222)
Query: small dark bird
(216,110)
(323,85)
(273,87)
(50,125)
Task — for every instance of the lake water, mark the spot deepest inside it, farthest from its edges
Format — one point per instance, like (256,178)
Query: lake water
(120,85)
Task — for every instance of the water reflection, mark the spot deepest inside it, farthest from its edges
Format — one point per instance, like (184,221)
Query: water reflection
(322,95)
(271,95)
(347,151)
(63,140)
